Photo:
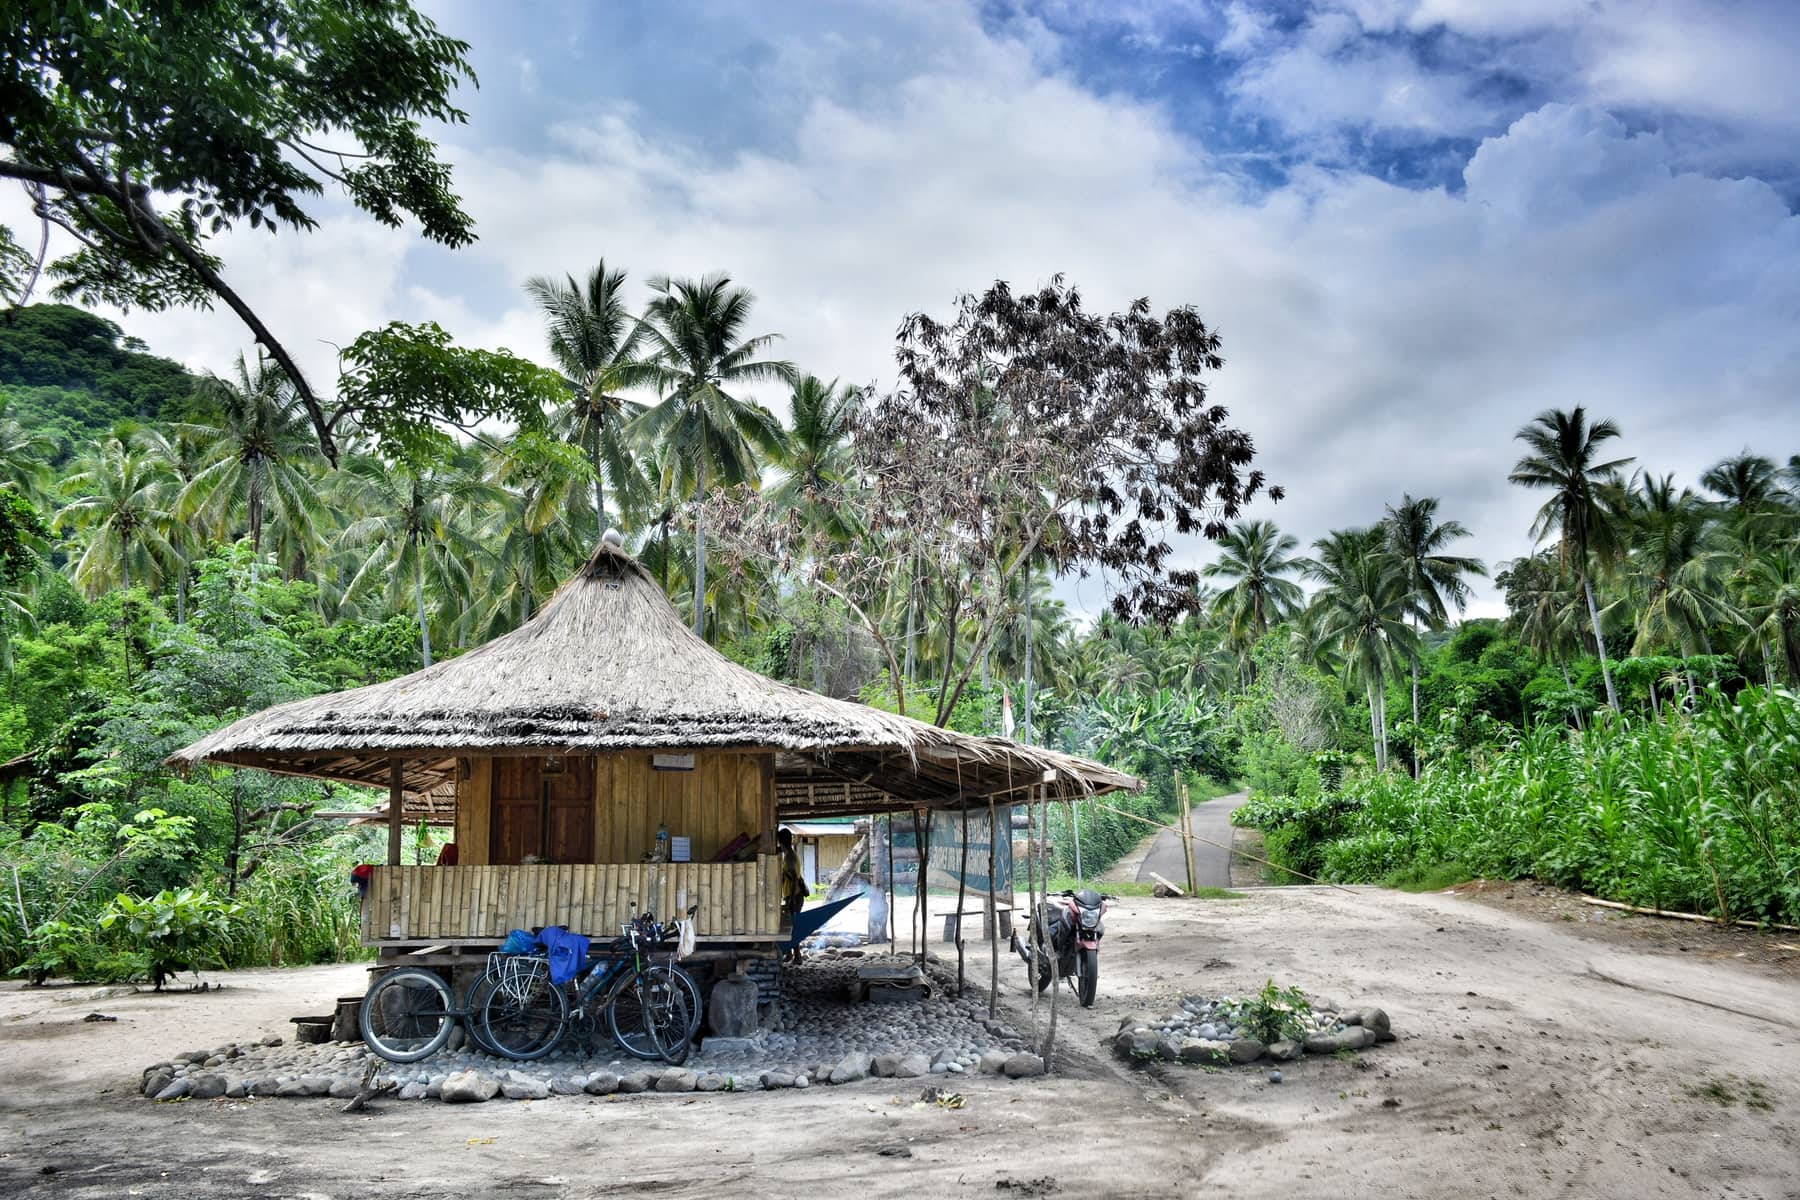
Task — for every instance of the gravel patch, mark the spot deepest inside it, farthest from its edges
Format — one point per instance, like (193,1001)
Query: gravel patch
(815,1033)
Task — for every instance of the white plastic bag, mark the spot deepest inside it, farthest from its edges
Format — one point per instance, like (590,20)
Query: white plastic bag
(685,946)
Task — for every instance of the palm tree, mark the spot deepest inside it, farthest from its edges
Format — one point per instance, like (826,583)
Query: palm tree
(121,496)
(24,454)
(1363,608)
(1565,460)
(412,530)
(258,460)
(1770,591)
(1434,579)
(1677,577)
(595,343)
(699,351)
(1542,611)
(818,455)
(1256,557)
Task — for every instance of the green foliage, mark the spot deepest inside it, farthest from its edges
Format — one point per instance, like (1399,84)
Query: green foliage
(176,930)
(402,382)
(1275,1014)
(72,374)
(1694,812)
(1428,877)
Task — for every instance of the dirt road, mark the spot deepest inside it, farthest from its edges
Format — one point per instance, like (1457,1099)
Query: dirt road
(1534,1060)
(1212,858)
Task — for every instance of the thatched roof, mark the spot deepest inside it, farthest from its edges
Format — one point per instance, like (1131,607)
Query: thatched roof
(608,665)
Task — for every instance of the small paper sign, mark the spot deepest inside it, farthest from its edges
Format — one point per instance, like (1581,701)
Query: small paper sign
(672,762)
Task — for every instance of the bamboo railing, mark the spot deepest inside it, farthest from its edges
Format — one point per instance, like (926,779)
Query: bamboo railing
(448,904)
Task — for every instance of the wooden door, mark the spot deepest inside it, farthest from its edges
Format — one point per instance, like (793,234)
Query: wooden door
(569,811)
(543,811)
(518,820)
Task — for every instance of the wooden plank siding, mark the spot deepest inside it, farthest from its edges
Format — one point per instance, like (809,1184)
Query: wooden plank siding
(483,903)
(727,794)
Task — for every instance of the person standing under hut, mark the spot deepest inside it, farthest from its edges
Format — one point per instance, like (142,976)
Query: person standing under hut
(793,884)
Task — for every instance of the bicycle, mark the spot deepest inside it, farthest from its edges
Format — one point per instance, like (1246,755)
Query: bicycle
(409,1013)
(651,1009)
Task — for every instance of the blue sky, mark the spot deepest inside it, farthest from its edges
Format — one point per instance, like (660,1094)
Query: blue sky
(1416,223)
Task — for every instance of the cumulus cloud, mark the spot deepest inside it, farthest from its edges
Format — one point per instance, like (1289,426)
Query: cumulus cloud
(1379,339)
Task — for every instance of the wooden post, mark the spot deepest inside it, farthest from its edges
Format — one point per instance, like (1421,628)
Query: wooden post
(1049,1046)
(893,935)
(396,801)
(878,912)
(921,897)
(1032,931)
(962,890)
(1187,830)
(993,916)
(912,924)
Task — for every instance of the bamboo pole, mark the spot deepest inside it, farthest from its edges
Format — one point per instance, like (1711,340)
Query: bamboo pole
(1187,830)
(962,891)
(1683,916)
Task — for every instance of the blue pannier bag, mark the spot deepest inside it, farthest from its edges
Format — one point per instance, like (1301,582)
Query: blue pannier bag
(567,952)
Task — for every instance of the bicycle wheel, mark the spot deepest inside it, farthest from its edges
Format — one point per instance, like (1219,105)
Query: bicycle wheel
(407,1015)
(655,1013)
(524,1013)
(472,1006)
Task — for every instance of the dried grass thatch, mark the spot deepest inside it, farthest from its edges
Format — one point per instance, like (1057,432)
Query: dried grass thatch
(608,665)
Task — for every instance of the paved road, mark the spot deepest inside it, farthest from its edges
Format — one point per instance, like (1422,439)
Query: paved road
(1212,863)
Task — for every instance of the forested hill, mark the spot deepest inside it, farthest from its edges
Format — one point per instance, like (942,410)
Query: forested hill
(71,374)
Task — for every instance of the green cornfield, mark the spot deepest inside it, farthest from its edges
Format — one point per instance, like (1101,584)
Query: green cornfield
(1696,812)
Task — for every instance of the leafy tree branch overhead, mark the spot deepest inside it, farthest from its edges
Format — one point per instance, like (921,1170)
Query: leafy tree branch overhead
(143,129)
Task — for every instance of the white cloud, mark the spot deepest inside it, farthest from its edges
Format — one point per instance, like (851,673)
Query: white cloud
(1379,340)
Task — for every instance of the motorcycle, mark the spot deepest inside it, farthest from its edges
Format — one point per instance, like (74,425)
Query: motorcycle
(1070,927)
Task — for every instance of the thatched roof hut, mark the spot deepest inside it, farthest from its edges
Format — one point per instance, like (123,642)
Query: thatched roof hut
(609,665)
(601,756)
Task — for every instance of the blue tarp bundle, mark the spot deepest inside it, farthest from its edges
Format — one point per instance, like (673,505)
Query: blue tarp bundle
(809,921)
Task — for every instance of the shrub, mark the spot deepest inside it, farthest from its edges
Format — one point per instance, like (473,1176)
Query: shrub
(175,930)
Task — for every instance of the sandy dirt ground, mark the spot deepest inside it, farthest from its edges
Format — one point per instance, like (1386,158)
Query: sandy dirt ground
(1538,1057)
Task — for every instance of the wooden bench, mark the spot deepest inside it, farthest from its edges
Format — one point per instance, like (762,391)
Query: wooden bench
(1002,913)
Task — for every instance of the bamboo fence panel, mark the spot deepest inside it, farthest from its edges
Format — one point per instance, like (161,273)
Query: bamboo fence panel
(484,903)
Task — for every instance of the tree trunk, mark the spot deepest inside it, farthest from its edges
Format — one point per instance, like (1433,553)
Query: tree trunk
(912,628)
(1028,650)
(1570,685)
(1612,696)
(699,558)
(1417,757)
(1381,698)
(1375,728)
(419,584)
(599,491)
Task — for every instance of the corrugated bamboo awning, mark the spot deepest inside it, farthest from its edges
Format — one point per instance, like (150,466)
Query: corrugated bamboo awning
(608,665)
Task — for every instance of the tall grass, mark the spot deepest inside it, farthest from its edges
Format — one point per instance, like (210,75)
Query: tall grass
(1697,812)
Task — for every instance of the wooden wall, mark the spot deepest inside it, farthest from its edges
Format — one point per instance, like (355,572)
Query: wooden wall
(726,794)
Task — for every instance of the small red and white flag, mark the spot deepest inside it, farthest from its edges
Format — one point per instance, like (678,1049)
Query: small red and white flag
(1007,724)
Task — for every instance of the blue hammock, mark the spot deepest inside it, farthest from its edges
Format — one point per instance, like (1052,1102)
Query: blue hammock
(809,921)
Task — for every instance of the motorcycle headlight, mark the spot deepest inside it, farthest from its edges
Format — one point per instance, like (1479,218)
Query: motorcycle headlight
(1090,917)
